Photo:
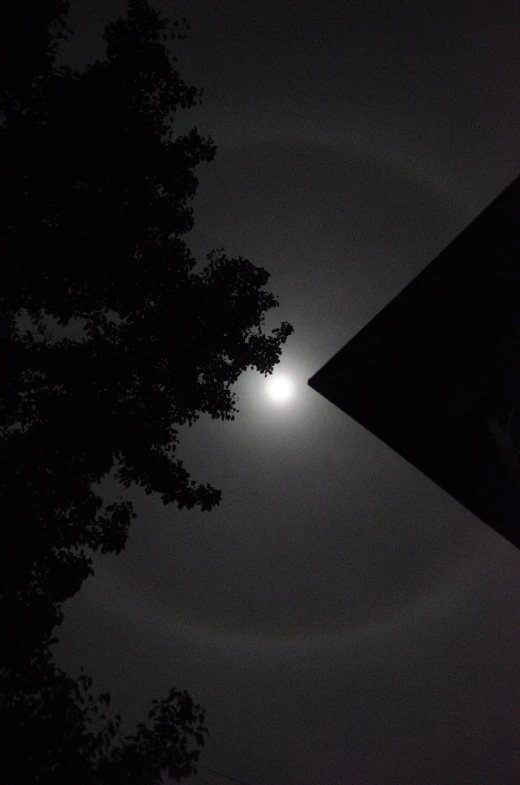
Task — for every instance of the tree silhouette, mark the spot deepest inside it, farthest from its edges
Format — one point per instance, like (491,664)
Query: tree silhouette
(30,37)
(93,236)
(95,201)
(54,731)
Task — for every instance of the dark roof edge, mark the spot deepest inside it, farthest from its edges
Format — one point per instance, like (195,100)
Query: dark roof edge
(468,236)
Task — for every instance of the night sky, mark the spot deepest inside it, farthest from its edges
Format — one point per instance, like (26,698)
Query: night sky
(340,617)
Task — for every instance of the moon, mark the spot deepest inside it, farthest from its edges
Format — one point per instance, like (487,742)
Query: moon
(280,389)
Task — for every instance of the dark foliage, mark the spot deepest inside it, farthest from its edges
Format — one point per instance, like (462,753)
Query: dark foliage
(55,732)
(95,201)
(94,235)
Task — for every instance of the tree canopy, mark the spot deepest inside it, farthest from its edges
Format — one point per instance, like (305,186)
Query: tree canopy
(54,731)
(96,191)
(101,189)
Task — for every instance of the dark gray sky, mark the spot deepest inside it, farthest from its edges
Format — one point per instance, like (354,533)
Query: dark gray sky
(339,616)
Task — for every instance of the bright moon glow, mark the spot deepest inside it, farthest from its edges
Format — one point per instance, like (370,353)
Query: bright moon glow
(280,389)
